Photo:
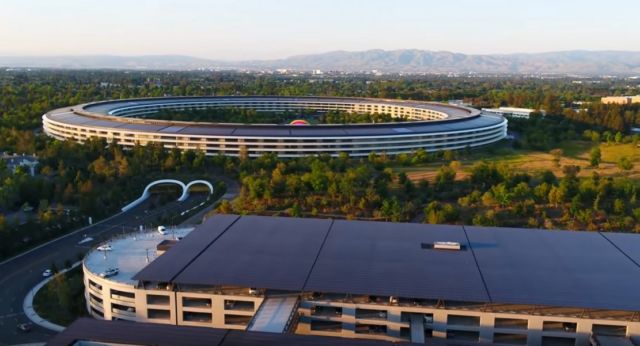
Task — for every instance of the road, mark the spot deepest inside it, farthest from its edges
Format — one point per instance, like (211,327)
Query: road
(18,276)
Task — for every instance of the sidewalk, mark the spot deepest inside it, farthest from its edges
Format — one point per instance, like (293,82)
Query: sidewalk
(27,304)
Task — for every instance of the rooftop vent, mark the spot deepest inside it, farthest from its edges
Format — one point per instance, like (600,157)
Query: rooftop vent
(444,245)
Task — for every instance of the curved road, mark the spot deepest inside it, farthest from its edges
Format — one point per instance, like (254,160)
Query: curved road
(18,276)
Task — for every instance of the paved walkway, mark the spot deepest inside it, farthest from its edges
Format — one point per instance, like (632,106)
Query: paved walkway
(27,304)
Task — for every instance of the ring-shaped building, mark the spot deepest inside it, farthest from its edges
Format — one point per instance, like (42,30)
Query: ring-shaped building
(429,126)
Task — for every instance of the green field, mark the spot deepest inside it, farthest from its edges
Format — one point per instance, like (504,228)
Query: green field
(529,161)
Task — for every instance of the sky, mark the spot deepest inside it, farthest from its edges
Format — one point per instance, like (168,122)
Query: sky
(270,29)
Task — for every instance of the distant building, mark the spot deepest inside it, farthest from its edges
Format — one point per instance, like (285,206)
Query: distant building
(459,103)
(395,282)
(425,125)
(512,111)
(14,161)
(620,100)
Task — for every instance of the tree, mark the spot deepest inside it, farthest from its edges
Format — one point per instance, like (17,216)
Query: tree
(570,171)
(625,163)
(445,176)
(556,196)
(501,194)
(557,155)
(595,156)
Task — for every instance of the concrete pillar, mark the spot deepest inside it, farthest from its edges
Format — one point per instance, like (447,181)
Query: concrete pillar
(583,332)
(217,310)
(487,323)
(393,328)
(633,332)
(535,332)
(349,324)
(440,324)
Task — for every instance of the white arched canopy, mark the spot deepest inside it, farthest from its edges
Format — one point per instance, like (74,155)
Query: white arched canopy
(185,192)
(183,196)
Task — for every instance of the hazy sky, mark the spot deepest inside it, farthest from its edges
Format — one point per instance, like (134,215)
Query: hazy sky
(263,29)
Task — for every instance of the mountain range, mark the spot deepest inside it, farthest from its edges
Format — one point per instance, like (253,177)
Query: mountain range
(393,61)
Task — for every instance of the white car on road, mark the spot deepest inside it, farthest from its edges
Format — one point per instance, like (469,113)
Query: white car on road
(47,273)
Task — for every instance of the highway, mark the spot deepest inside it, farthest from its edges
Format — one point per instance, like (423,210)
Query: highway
(18,276)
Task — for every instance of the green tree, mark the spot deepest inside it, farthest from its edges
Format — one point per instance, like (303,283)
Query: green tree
(595,156)
(625,163)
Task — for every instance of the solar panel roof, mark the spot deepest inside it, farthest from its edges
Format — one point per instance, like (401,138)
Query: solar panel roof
(166,267)
(628,243)
(499,265)
(265,252)
(557,268)
(131,333)
(382,258)
(139,333)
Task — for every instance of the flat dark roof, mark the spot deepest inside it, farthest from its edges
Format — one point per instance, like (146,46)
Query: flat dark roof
(166,268)
(97,114)
(383,258)
(497,265)
(135,333)
(276,252)
(558,268)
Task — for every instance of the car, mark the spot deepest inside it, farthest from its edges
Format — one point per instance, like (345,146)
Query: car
(105,247)
(162,230)
(109,272)
(25,327)
(47,272)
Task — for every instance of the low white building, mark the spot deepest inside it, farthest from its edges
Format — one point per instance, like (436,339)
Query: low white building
(512,111)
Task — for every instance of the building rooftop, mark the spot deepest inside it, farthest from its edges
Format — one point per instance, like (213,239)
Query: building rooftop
(494,265)
(103,114)
(129,253)
(85,331)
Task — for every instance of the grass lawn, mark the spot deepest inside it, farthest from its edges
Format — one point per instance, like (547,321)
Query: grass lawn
(61,301)
(528,161)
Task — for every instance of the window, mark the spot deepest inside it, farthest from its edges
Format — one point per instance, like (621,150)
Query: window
(97,312)
(115,294)
(158,314)
(511,323)
(95,299)
(117,308)
(463,320)
(569,327)
(611,330)
(327,311)
(154,299)
(556,341)
(239,305)
(326,326)
(190,316)
(371,314)
(237,319)
(463,335)
(95,285)
(371,329)
(511,339)
(196,302)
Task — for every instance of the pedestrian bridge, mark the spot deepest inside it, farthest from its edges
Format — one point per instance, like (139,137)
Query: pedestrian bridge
(183,196)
